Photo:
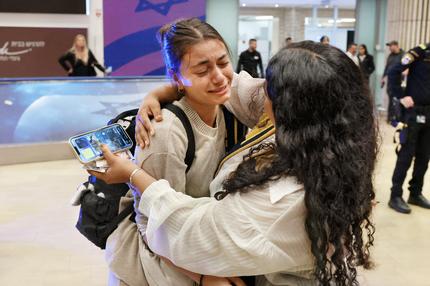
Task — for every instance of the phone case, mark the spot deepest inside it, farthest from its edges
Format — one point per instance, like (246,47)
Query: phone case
(94,131)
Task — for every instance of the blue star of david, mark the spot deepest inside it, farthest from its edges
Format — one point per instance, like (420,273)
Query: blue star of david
(112,108)
(162,8)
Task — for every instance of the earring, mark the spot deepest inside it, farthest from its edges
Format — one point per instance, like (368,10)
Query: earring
(181,92)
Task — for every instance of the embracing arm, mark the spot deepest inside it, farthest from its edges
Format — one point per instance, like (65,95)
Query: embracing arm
(199,234)
(247,98)
(150,106)
(246,103)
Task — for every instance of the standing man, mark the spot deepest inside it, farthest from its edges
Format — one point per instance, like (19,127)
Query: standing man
(249,59)
(416,102)
(394,88)
(351,52)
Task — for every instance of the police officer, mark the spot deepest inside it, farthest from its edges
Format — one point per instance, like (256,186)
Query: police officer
(249,59)
(416,116)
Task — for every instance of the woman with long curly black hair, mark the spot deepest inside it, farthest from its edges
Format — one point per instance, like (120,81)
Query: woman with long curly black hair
(296,210)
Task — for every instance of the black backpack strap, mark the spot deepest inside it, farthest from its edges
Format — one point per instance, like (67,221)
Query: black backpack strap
(189,157)
(122,115)
(121,216)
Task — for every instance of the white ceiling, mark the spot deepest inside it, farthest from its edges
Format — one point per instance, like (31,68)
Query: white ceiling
(345,4)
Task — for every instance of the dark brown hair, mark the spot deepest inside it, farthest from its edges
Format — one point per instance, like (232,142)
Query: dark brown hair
(326,137)
(177,37)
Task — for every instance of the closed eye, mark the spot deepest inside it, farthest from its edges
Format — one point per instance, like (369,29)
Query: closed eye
(201,73)
(223,64)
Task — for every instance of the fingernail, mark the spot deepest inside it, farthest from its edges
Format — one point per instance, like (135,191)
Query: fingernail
(152,132)
(146,142)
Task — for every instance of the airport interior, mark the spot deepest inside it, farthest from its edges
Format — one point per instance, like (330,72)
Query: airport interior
(45,101)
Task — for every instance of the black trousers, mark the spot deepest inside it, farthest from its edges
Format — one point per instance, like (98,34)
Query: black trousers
(417,145)
(390,111)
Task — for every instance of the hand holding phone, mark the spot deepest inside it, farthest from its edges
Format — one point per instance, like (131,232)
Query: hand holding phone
(86,146)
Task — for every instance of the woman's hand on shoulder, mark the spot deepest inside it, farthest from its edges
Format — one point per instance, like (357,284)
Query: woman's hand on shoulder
(150,107)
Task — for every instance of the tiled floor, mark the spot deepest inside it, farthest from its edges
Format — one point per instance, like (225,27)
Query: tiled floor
(40,246)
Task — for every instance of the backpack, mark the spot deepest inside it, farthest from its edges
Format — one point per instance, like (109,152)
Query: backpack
(98,215)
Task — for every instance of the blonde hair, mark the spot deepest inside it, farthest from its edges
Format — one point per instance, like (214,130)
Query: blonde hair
(80,55)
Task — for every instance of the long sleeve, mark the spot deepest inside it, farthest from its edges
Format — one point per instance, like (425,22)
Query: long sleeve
(95,63)
(168,166)
(389,59)
(371,68)
(164,157)
(247,97)
(393,73)
(239,64)
(64,59)
(234,236)
(414,54)
(260,64)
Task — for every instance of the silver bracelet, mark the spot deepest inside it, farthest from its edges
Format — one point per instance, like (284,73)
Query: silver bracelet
(132,175)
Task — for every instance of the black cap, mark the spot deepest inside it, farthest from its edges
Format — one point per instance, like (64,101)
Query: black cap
(392,43)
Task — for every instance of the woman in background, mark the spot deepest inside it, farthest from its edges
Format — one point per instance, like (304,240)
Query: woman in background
(367,65)
(79,60)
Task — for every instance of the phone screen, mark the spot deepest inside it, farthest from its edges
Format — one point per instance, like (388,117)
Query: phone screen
(87,145)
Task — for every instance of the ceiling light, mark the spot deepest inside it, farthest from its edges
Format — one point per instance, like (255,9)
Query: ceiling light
(243,4)
(263,17)
(276,5)
(347,20)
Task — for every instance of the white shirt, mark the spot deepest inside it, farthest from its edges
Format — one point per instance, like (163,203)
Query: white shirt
(353,58)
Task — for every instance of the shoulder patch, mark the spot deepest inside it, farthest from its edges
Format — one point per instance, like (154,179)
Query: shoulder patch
(423,46)
(407,59)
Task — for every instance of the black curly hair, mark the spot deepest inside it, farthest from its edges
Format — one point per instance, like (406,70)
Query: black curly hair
(326,136)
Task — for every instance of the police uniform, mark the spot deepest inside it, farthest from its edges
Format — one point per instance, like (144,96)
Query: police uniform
(416,135)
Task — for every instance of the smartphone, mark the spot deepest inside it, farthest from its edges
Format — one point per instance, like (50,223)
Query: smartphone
(86,146)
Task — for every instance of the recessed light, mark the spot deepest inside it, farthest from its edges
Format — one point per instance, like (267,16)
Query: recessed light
(243,4)
(276,5)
